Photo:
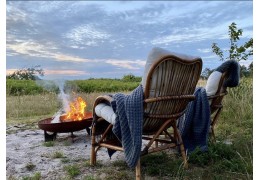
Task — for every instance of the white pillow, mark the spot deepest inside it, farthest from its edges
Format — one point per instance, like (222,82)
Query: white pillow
(106,112)
(212,83)
(155,55)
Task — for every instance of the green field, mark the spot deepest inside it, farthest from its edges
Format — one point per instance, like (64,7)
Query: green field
(230,158)
(30,87)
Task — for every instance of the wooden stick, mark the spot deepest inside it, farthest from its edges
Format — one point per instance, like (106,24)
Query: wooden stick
(138,170)
(93,146)
(111,147)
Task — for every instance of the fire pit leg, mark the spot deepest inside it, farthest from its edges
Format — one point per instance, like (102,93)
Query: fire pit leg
(88,130)
(72,135)
(49,137)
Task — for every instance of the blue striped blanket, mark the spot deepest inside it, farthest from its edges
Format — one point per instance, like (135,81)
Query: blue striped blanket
(129,123)
(194,124)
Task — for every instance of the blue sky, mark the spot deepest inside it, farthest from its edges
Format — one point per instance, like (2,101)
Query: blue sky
(79,40)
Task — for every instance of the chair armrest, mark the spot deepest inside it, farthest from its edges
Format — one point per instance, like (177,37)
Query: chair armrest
(217,95)
(104,99)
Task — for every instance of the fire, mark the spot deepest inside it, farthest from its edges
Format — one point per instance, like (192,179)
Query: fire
(76,112)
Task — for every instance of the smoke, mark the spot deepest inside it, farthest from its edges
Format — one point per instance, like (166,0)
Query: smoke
(62,96)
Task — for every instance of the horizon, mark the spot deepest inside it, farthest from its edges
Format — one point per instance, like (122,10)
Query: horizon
(91,39)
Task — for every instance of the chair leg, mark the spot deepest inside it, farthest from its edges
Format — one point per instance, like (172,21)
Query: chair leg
(184,157)
(138,170)
(213,123)
(93,147)
(213,137)
(183,153)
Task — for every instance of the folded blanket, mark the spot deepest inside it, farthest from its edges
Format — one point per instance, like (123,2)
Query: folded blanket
(194,124)
(232,67)
(129,123)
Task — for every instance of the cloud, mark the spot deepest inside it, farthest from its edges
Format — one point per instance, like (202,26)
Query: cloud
(65,72)
(191,35)
(210,57)
(127,64)
(115,36)
(86,35)
(15,14)
(10,71)
(34,49)
(55,72)
(206,50)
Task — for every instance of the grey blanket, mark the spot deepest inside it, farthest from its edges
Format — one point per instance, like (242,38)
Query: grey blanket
(194,124)
(129,123)
(232,67)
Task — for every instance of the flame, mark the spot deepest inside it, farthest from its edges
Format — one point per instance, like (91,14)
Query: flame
(77,110)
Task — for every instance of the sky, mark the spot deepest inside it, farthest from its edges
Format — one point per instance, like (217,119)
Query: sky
(110,39)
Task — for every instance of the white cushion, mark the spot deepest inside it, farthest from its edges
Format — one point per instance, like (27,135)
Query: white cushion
(155,55)
(106,112)
(213,83)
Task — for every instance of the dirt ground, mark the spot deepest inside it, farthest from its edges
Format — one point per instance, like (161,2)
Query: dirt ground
(26,154)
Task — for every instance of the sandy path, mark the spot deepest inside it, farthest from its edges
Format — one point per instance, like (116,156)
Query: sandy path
(26,146)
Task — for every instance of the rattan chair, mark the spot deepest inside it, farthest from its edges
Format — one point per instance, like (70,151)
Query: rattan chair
(169,87)
(216,105)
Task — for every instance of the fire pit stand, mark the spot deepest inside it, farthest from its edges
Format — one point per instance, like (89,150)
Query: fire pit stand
(64,127)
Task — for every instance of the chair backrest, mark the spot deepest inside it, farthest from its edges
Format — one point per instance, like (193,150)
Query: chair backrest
(169,87)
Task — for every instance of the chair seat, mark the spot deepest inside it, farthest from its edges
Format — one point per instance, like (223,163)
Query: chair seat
(106,112)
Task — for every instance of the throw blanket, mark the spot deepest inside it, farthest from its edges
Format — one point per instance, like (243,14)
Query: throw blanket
(194,124)
(129,123)
(233,69)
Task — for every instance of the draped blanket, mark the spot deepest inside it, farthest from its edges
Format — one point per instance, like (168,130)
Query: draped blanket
(232,67)
(194,124)
(129,123)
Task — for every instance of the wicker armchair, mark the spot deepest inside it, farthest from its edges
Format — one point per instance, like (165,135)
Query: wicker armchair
(169,87)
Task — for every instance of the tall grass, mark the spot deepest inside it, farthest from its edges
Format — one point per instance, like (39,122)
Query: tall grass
(28,106)
(237,116)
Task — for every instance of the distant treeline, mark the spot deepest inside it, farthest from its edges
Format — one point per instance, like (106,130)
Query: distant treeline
(30,87)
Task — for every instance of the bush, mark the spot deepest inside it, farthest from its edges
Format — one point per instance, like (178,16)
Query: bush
(131,78)
(26,87)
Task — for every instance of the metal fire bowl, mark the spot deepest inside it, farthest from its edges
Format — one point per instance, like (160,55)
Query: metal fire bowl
(64,127)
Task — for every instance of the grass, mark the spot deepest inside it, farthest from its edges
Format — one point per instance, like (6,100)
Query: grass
(36,176)
(25,109)
(222,161)
(65,160)
(72,170)
(89,178)
(32,108)
(162,165)
(49,144)
(58,154)
(30,166)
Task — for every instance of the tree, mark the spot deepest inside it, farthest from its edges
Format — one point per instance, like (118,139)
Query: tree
(244,72)
(31,73)
(250,69)
(206,72)
(131,78)
(236,52)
